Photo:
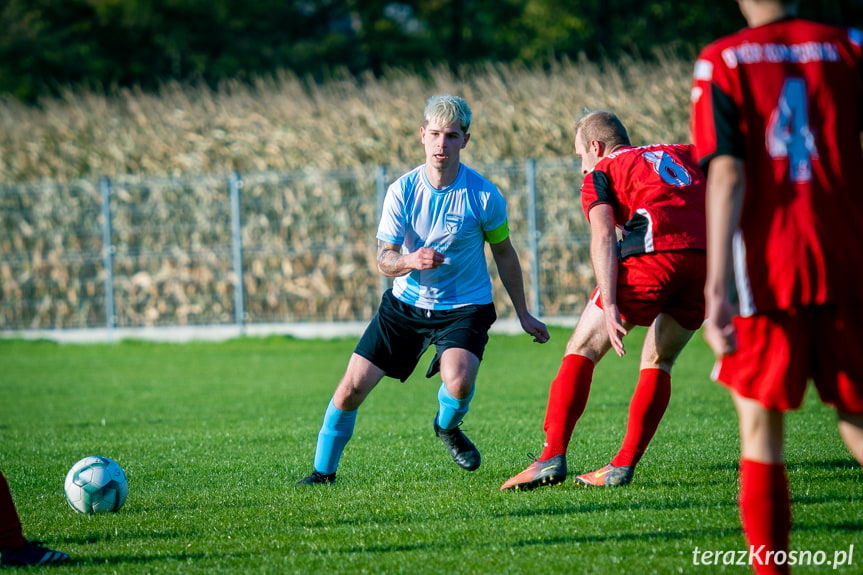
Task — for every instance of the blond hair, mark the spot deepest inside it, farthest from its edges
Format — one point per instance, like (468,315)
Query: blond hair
(447,109)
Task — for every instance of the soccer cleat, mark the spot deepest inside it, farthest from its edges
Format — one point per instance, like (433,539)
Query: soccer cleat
(463,452)
(318,478)
(549,472)
(31,554)
(608,476)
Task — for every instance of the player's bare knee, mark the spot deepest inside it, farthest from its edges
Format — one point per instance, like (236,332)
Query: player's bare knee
(592,348)
(460,386)
(651,359)
(349,394)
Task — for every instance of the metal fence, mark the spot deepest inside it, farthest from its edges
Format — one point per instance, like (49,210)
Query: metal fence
(252,248)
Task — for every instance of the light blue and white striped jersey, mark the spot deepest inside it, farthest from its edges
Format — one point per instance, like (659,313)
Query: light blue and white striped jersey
(456,222)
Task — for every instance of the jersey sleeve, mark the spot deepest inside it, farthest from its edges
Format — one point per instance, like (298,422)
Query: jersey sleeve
(391,228)
(596,190)
(714,121)
(498,234)
(494,224)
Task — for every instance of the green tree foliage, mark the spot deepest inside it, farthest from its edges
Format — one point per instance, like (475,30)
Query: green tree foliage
(48,44)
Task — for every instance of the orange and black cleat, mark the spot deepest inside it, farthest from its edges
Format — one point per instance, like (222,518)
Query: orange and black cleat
(608,476)
(549,472)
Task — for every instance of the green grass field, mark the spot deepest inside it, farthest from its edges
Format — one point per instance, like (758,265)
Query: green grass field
(213,436)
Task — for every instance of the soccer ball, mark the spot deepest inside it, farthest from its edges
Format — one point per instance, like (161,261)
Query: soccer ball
(96,485)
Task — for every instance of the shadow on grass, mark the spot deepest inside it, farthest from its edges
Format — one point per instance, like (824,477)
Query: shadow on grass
(625,537)
(554,509)
(792,465)
(97,537)
(725,466)
(664,536)
(568,540)
(852,526)
(835,464)
(143,559)
(660,506)
(820,499)
(395,548)
(700,534)
(621,506)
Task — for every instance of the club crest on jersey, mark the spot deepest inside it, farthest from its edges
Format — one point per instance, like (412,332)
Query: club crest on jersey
(453,223)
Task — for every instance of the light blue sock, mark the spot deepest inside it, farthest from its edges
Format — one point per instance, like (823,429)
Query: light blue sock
(335,433)
(452,410)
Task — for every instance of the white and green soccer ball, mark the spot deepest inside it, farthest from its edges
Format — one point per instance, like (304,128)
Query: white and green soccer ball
(96,485)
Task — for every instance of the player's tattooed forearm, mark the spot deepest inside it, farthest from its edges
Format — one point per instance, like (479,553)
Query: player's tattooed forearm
(388,259)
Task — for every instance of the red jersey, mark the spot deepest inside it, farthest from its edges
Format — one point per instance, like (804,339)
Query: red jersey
(786,98)
(657,193)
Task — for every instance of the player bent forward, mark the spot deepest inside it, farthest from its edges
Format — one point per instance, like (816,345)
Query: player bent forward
(431,238)
(653,277)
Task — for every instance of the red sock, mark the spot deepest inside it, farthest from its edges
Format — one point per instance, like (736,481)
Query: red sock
(645,412)
(765,510)
(10,525)
(566,401)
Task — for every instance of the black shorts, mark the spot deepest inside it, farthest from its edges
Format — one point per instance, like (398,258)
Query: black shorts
(399,334)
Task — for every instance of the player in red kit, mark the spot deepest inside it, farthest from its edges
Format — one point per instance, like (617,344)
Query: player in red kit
(654,276)
(15,549)
(777,111)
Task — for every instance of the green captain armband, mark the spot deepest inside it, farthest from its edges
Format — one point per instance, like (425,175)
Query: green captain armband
(498,234)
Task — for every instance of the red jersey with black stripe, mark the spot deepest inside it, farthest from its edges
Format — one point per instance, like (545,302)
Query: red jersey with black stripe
(657,193)
(787,98)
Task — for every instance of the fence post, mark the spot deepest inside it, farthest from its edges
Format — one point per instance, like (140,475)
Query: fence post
(535,303)
(380,194)
(108,257)
(235,183)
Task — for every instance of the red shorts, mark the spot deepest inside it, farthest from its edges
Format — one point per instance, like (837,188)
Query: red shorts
(661,282)
(778,352)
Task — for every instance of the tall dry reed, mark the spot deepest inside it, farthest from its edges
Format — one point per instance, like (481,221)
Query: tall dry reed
(287,123)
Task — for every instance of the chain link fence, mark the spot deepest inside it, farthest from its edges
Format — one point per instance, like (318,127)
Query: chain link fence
(259,248)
